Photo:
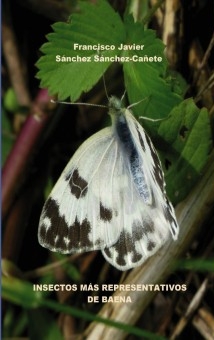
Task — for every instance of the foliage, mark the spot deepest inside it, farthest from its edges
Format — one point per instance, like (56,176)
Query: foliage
(148,80)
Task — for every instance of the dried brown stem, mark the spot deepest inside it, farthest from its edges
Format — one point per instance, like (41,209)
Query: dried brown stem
(204,323)
(190,310)
(207,53)
(202,76)
(172,31)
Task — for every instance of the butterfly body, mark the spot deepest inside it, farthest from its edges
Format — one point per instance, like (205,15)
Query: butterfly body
(134,159)
(111,196)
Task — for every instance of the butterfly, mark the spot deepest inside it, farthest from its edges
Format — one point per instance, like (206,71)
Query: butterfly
(111,196)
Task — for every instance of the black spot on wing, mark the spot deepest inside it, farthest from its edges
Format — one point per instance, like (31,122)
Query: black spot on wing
(151,245)
(78,185)
(152,150)
(137,229)
(124,246)
(157,169)
(105,213)
(169,216)
(141,141)
(54,236)
(79,234)
(141,229)
(99,243)
(148,227)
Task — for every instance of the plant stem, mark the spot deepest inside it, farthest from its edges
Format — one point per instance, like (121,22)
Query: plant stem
(17,164)
(150,14)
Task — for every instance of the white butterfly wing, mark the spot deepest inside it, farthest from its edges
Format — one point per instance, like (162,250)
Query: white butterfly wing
(147,219)
(82,211)
(111,196)
(154,173)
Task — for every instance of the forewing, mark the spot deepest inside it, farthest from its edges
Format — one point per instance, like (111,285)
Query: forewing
(81,213)
(151,166)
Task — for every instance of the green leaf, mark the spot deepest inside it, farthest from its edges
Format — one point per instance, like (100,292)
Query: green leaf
(20,292)
(146,79)
(187,143)
(177,82)
(201,265)
(99,24)
(96,24)
(10,100)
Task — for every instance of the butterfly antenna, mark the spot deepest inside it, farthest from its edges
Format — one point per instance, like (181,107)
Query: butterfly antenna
(123,95)
(105,87)
(137,103)
(77,103)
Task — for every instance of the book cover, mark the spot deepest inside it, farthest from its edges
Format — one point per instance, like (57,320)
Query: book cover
(107,170)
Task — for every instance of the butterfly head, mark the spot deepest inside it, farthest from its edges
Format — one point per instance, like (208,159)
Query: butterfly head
(115,106)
